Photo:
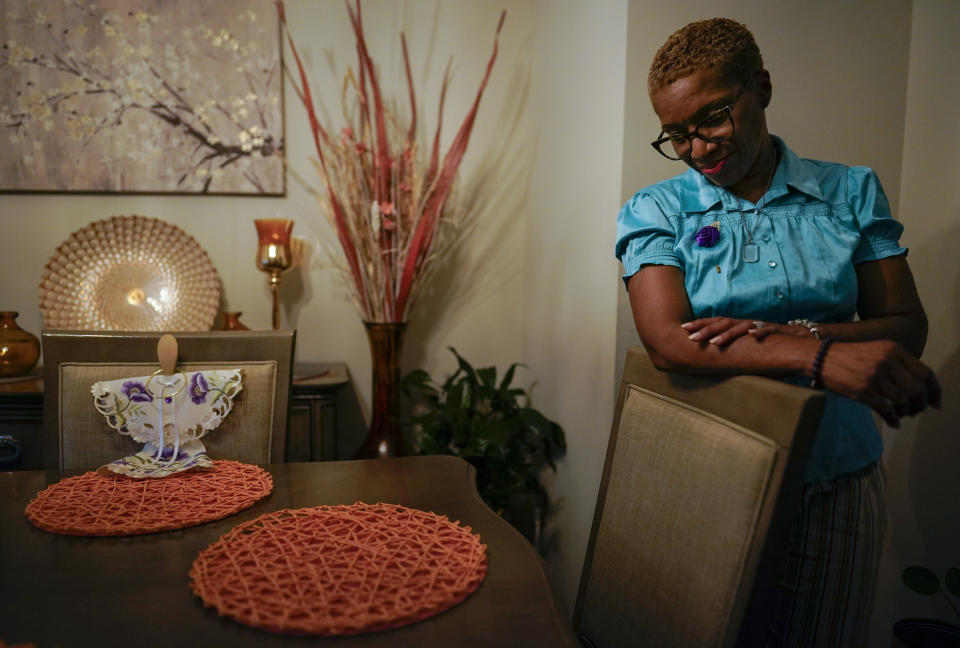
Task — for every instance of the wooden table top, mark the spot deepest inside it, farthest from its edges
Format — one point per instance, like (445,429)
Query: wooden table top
(58,590)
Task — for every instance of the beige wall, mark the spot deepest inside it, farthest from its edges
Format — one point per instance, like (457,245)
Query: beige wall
(570,299)
(921,457)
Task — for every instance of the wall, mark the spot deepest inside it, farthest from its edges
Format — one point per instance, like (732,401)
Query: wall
(570,299)
(923,484)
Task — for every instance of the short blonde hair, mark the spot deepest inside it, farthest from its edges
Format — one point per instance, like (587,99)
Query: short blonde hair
(719,43)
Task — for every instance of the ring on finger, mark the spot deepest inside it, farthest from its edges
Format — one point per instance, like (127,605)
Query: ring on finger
(759,324)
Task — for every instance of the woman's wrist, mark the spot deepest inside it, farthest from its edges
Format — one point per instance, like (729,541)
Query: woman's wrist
(816,369)
(807,327)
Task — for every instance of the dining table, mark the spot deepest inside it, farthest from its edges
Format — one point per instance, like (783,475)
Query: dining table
(63,590)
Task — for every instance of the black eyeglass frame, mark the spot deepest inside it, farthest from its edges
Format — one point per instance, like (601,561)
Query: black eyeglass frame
(656,144)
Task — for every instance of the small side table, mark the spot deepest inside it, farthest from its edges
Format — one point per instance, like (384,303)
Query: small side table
(21,417)
(312,426)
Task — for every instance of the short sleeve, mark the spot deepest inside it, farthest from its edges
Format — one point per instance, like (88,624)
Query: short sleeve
(645,236)
(879,231)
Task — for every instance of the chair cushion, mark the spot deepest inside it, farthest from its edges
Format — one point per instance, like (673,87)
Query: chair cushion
(682,503)
(86,441)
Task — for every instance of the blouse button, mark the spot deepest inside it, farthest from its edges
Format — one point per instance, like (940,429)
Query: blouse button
(772,264)
(779,294)
(765,238)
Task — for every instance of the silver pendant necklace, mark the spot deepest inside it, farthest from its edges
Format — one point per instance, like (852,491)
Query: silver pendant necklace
(751,251)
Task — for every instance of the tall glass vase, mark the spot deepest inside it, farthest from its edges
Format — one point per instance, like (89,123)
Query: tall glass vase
(385,437)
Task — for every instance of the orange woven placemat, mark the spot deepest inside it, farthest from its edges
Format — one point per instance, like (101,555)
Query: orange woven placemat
(339,570)
(102,503)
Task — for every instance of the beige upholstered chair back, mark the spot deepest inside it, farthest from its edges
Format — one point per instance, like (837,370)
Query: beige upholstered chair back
(701,478)
(76,436)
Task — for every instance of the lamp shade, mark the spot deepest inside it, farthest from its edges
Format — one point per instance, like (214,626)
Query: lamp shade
(273,249)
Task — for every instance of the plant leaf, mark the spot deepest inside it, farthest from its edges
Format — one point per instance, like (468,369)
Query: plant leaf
(508,377)
(488,376)
(493,427)
(921,580)
(419,380)
(466,368)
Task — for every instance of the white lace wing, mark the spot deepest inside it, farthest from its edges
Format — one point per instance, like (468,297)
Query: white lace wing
(206,401)
(128,407)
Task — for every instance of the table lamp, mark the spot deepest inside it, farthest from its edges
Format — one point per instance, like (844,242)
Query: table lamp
(274,255)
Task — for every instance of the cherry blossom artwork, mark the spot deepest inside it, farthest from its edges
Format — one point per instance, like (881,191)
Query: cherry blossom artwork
(141,96)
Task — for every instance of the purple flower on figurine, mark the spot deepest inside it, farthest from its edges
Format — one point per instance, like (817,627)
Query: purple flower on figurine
(709,235)
(136,391)
(198,388)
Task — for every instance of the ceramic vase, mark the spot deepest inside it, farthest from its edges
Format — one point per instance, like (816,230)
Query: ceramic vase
(19,350)
(231,322)
(384,437)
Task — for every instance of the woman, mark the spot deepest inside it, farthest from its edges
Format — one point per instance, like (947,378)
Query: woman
(756,261)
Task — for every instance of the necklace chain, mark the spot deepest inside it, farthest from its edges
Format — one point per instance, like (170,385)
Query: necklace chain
(750,252)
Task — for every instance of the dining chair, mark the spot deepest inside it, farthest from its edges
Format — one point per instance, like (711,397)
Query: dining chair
(76,436)
(701,480)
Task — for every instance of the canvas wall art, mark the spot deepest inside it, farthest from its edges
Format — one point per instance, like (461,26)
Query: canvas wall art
(141,96)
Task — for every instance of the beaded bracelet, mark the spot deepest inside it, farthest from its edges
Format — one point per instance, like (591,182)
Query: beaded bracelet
(816,380)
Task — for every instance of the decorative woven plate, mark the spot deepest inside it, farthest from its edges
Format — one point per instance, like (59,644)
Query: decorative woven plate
(339,570)
(130,273)
(107,504)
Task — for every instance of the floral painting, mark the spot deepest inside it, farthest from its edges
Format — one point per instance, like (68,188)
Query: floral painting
(141,96)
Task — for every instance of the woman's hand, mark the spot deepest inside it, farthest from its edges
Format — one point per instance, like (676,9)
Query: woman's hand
(766,328)
(882,375)
(724,330)
(717,330)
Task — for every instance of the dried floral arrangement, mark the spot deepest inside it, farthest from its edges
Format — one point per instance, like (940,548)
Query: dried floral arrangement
(385,199)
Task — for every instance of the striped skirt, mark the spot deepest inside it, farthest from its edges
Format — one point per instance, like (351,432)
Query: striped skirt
(829,584)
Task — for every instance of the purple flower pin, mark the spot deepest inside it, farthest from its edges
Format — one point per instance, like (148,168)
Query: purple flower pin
(136,391)
(198,388)
(709,235)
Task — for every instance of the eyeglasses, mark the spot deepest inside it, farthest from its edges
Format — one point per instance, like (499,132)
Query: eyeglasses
(716,127)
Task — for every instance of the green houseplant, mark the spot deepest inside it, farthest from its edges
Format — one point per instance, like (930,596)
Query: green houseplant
(492,426)
(929,633)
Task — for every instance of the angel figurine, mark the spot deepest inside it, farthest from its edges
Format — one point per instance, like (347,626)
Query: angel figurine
(169,414)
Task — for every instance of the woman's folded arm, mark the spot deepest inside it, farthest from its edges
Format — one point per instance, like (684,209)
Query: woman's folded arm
(873,369)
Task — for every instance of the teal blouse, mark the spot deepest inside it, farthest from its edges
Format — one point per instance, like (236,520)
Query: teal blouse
(819,220)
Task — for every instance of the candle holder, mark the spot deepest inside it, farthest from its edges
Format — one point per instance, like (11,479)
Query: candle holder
(274,255)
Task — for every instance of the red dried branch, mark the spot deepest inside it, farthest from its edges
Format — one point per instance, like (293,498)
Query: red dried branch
(382,154)
(382,143)
(435,152)
(413,100)
(420,245)
(338,216)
